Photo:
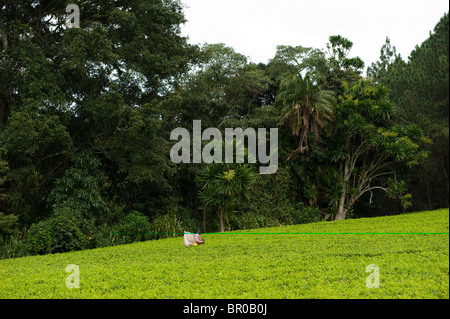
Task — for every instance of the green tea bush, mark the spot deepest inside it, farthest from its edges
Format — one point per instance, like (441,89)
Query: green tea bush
(309,261)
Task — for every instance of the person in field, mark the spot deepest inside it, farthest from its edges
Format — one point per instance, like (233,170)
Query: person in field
(198,238)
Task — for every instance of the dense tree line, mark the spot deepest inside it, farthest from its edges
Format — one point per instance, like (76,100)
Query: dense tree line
(86,115)
(419,89)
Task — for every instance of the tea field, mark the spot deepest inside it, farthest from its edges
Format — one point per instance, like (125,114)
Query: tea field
(320,260)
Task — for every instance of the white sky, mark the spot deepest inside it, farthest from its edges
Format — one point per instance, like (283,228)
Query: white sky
(255,27)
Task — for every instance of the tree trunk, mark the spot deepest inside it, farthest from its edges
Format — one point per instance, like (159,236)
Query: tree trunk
(4,109)
(222,224)
(446,176)
(5,94)
(204,218)
(342,211)
(429,195)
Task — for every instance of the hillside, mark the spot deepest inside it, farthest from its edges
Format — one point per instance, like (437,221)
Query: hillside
(320,260)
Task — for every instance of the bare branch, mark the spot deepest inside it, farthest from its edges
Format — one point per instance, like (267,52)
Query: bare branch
(369,189)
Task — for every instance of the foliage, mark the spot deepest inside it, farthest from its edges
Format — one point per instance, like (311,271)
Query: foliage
(133,227)
(341,68)
(3,174)
(86,115)
(289,60)
(306,214)
(297,262)
(225,186)
(7,224)
(38,147)
(168,225)
(367,143)
(338,50)
(419,87)
(305,106)
(11,247)
(65,231)
(93,90)
(273,203)
(80,188)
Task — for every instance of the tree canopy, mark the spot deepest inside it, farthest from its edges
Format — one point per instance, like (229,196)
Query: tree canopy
(86,115)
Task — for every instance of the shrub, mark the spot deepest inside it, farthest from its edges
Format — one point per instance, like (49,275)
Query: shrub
(81,187)
(8,224)
(168,225)
(251,220)
(11,246)
(64,231)
(133,227)
(39,238)
(67,234)
(273,199)
(304,214)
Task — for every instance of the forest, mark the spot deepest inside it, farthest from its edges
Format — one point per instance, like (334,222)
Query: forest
(86,116)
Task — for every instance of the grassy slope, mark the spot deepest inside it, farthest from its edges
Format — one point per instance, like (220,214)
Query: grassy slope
(258,265)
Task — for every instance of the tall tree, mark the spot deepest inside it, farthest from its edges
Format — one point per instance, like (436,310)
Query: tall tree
(420,90)
(223,85)
(225,186)
(95,89)
(342,68)
(367,145)
(306,106)
(379,71)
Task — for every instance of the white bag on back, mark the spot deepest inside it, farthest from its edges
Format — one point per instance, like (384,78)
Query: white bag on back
(189,239)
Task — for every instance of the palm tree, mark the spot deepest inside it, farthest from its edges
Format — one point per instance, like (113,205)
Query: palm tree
(225,186)
(306,106)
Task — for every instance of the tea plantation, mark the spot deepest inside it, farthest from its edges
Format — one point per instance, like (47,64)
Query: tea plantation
(320,260)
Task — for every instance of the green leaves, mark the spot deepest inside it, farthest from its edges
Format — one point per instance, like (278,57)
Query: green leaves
(398,190)
(225,187)
(367,143)
(298,262)
(338,50)
(419,87)
(81,188)
(305,106)
(7,224)
(96,90)
(220,184)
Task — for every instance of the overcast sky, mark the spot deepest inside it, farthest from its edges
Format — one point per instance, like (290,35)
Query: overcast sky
(255,27)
